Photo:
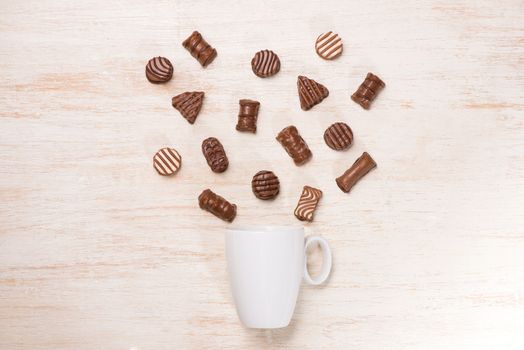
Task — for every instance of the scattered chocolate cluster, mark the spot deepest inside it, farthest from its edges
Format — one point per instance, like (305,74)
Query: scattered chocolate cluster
(265,184)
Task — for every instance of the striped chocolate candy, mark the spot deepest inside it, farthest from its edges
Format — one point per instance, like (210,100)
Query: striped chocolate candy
(338,136)
(329,45)
(265,185)
(159,70)
(307,203)
(167,161)
(265,64)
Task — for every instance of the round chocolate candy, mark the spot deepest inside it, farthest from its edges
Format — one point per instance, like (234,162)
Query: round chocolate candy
(265,185)
(329,45)
(159,70)
(167,161)
(338,136)
(265,63)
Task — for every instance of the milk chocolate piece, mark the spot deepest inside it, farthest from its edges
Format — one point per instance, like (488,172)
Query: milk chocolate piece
(159,70)
(215,155)
(200,49)
(368,90)
(310,92)
(189,104)
(307,203)
(329,45)
(247,116)
(294,145)
(217,205)
(265,63)
(360,168)
(265,185)
(167,161)
(338,136)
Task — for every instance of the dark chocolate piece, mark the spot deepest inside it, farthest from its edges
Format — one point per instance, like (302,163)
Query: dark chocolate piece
(265,63)
(329,45)
(265,185)
(189,104)
(200,49)
(247,116)
(338,136)
(360,168)
(215,155)
(217,205)
(310,92)
(294,145)
(167,161)
(368,90)
(307,203)
(159,70)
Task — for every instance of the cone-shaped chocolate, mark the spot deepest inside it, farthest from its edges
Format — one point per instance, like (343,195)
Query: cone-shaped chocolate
(189,104)
(310,92)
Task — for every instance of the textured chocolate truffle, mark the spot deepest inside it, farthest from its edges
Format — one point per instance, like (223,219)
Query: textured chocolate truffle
(338,136)
(265,63)
(159,70)
(265,185)
(215,155)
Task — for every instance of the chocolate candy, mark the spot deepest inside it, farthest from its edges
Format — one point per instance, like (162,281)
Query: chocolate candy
(167,161)
(200,49)
(215,155)
(265,63)
(307,203)
(368,90)
(189,104)
(217,205)
(159,70)
(247,116)
(294,145)
(265,185)
(360,168)
(338,136)
(310,92)
(329,45)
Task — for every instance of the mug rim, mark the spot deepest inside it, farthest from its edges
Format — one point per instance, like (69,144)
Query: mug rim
(265,228)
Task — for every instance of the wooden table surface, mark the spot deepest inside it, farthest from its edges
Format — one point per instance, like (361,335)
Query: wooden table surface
(99,252)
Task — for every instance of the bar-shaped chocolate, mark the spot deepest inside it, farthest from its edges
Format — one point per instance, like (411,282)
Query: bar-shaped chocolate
(217,205)
(361,167)
(294,145)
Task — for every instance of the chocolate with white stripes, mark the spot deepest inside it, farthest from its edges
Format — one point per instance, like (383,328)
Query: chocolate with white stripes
(329,45)
(167,161)
(159,70)
(307,204)
(265,63)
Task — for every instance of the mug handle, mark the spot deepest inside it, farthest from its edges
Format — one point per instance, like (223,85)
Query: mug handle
(326,260)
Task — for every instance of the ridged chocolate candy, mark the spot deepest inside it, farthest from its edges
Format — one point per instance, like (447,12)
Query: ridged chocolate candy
(265,63)
(361,167)
(310,92)
(307,204)
(368,91)
(167,161)
(215,155)
(217,205)
(294,145)
(247,115)
(329,45)
(265,185)
(338,136)
(159,70)
(200,49)
(189,104)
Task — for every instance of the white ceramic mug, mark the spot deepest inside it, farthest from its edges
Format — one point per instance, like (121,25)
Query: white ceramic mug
(266,265)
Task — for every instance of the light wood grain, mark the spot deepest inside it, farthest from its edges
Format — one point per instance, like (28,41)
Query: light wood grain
(98,251)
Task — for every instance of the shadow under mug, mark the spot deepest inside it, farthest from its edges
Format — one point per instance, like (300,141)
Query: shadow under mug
(265,266)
